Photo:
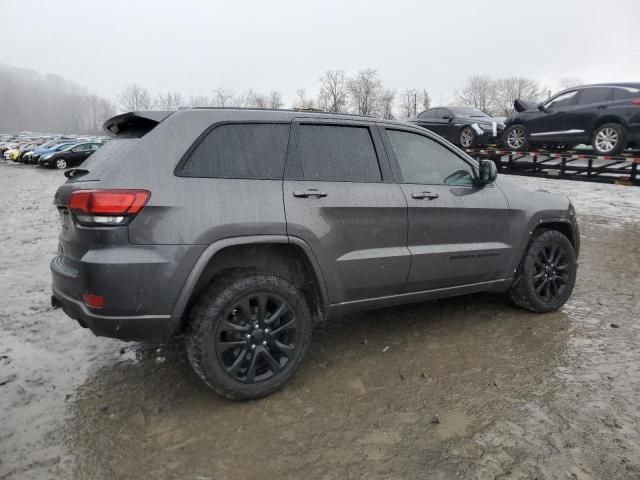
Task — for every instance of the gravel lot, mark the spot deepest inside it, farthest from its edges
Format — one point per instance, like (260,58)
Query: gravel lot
(462,388)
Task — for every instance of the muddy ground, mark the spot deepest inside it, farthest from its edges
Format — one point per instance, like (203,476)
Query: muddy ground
(517,395)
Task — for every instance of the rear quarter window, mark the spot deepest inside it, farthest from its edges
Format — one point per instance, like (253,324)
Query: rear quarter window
(253,150)
(620,93)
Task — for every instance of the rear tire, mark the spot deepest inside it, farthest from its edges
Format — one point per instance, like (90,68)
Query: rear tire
(468,138)
(248,334)
(609,139)
(516,138)
(547,273)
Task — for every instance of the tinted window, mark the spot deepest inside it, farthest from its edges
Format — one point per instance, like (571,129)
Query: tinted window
(562,100)
(240,151)
(594,95)
(422,160)
(428,113)
(334,153)
(625,93)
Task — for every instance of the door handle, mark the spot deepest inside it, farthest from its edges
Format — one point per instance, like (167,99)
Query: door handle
(312,192)
(423,195)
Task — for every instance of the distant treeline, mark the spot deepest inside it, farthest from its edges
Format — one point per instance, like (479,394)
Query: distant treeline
(48,103)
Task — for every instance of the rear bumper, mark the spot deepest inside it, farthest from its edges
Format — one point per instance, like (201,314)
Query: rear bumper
(139,285)
(130,328)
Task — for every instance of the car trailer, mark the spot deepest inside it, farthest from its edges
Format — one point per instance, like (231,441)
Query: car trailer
(569,165)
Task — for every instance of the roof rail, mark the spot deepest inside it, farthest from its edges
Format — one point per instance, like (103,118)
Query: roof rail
(303,110)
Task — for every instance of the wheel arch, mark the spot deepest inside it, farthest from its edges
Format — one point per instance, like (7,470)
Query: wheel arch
(288,257)
(609,118)
(562,225)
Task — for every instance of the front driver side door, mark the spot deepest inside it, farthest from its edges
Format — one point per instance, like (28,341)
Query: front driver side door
(551,124)
(458,229)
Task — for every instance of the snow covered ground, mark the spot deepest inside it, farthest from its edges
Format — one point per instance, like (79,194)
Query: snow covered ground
(618,203)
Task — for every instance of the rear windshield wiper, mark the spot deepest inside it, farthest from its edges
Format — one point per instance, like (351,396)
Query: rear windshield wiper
(75,172)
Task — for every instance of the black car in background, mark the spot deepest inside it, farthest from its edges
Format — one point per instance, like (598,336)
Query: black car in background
(69,156)
(606,115)
(464,126)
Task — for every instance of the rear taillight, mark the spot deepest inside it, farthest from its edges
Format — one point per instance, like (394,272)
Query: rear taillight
(636,101)
(106,207)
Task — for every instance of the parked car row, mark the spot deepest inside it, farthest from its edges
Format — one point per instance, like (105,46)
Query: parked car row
(44,151)
(607,116)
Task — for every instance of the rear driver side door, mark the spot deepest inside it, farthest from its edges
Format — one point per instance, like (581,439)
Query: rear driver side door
(340,199)
(458,229)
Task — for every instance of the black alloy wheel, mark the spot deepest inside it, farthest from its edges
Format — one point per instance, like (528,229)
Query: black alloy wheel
(551,272)
(257,337)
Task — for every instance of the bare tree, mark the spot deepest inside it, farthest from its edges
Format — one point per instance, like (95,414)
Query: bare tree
(333,91)
(169,101)
(260,101)
(409,103)
(106,109)
(99,110)
(425,100)
(508,90)
(244,100)
(222,97)
(570,82)
(94,104)
(303,102)
(365,90)
(478,92)
(74,113)
(386,104)
(275,100)
(201,101)
(135,97)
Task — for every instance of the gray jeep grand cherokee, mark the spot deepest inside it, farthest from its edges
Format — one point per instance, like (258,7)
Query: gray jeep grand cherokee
(239,228)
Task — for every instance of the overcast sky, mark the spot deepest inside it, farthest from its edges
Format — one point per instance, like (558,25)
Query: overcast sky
(196,46)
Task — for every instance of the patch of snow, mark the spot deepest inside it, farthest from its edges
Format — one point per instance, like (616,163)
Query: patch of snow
(615,202)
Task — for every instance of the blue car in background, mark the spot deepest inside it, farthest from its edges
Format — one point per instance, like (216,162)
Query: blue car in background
(55,147)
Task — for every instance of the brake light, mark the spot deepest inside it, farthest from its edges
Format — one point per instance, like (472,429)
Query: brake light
(107,207)
(636,101)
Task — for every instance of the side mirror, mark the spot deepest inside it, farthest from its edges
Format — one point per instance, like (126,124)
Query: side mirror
(488,171)
(542,108)
(447,117)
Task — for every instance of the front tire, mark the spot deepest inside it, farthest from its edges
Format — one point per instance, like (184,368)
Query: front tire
(468,138)
(515,138)
(248,335)
(547,273)
(609,139)
(61,164)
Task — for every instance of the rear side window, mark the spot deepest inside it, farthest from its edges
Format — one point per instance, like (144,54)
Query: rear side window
(595,95)
(625,93)
(240,151)
(333,153)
